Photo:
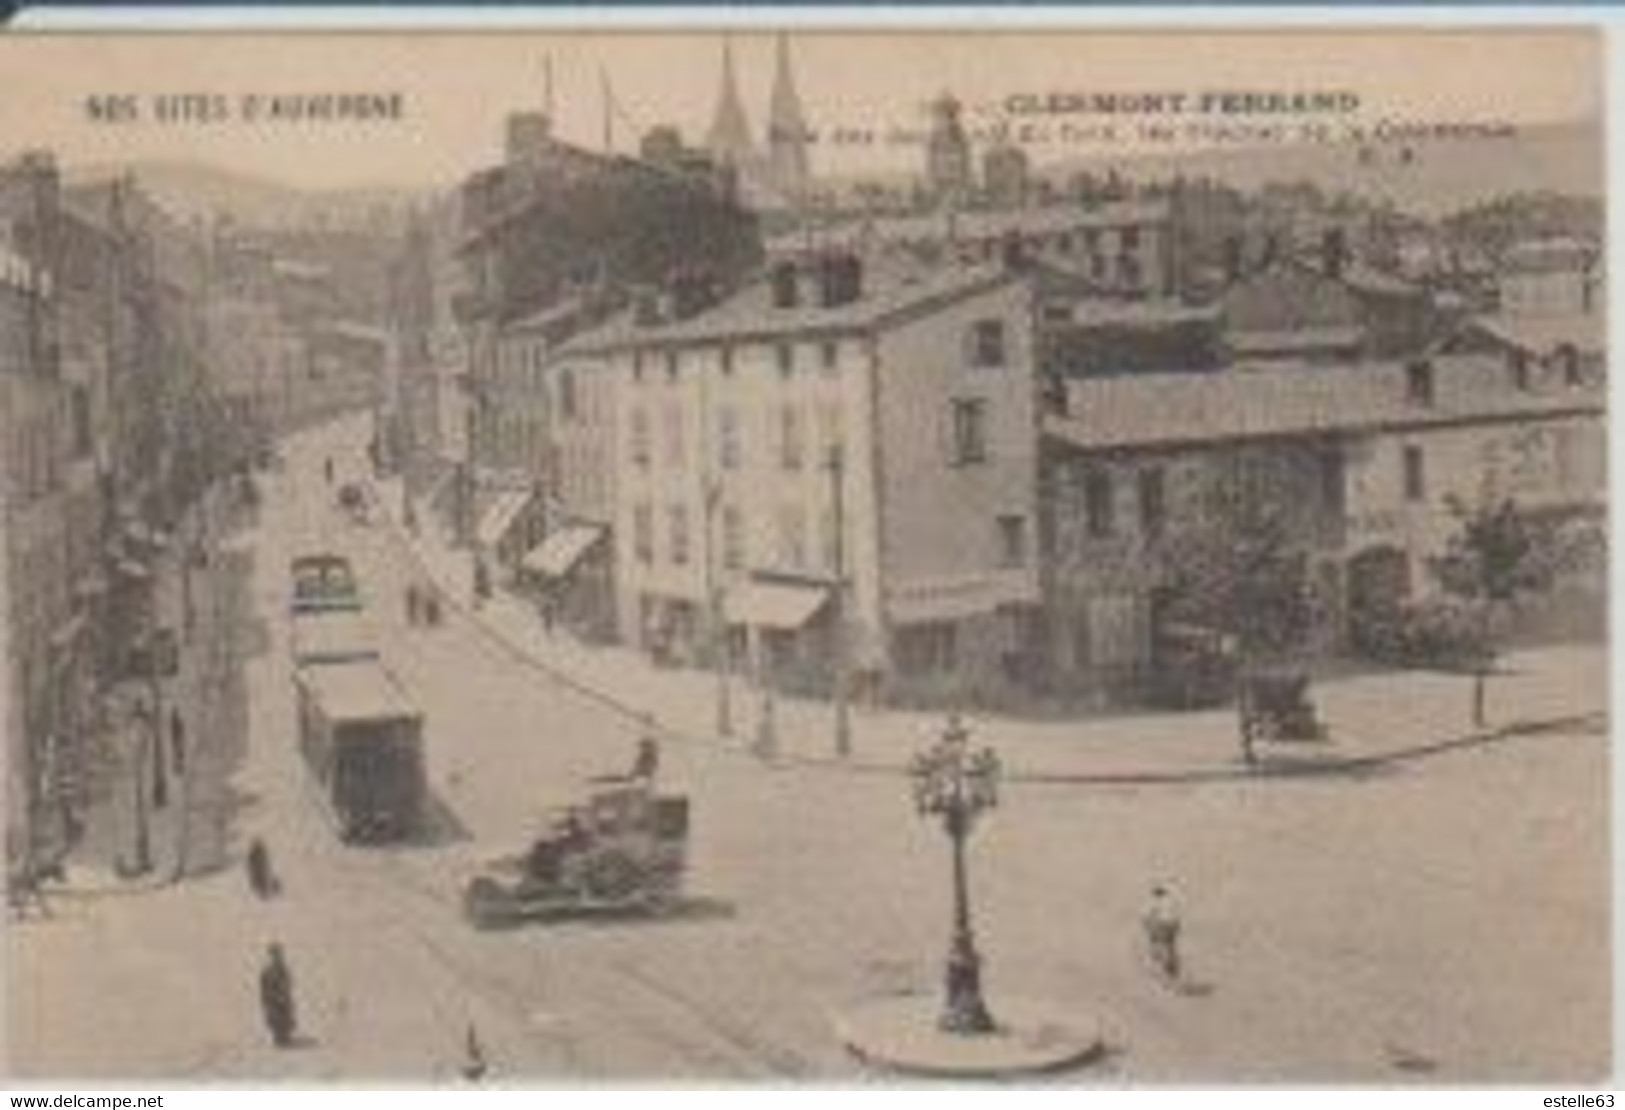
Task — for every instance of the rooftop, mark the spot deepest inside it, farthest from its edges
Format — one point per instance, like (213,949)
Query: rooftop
(1541,334)
(890,290)
(1555,254)
(1159,410)
(974,224)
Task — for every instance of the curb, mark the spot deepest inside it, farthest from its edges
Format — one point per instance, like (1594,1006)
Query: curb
(643,718)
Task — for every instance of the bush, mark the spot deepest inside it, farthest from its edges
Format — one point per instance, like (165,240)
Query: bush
(1439,634)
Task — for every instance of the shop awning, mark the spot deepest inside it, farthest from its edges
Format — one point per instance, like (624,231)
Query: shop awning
(782,605)
(132,568)
(500,517)
(63,637)
(558,555)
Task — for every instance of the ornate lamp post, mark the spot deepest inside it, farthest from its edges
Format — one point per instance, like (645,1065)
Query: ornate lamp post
(957,784)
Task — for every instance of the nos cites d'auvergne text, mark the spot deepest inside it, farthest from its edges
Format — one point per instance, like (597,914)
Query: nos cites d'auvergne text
(216,108)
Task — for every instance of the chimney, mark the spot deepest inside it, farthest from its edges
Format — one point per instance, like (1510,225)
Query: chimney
(840,279)
(784,285)
(1334,251)
(692,292)
(646,309)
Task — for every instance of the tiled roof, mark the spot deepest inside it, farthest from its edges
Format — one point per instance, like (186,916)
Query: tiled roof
(1170,409)
(1552,255)
(889,290)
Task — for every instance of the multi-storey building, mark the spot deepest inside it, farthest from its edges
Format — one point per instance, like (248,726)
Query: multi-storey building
(42,679)
(1365,462)
(876,420)
(1121,248)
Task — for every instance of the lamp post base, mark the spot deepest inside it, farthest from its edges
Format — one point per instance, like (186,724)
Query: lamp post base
(901,1034)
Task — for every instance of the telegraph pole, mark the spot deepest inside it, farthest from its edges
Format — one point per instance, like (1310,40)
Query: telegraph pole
(719,628)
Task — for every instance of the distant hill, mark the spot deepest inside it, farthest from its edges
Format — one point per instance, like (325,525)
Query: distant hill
(190,190)
(1428,178)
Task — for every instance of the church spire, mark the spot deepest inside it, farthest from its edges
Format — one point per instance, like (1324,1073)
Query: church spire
(787,127)
(729,140)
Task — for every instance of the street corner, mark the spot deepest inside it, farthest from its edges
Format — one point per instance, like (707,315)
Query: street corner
(1031,1037)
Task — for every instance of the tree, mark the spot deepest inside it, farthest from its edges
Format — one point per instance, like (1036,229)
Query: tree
(1499,555)
(1237,570)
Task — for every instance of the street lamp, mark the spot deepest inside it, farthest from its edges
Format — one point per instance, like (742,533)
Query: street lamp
(957,784)
(843,710)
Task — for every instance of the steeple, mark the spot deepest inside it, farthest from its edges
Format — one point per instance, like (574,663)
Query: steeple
(729,140)
(786,128)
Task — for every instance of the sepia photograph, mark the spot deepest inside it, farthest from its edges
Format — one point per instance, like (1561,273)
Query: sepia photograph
(799,555)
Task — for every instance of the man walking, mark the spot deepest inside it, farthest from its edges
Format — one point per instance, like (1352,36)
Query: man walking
(1161,923)
(276,998)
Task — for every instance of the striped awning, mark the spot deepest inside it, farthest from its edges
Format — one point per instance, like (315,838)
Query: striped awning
(559,553)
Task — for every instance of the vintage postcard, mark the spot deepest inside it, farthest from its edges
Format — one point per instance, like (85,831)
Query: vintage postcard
(791,555)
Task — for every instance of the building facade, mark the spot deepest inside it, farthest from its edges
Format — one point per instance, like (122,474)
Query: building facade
(770,447)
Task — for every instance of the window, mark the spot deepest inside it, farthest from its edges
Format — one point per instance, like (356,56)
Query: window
(726,356)
(1152,507)
(927,647)
(790,442)
(785,353)
(987,344)
(1569,360)
(829,539)
(1097,503)
(1331,481)
(643,533)
(675,446)
(1415,475)
(792,538)
(1518,363)
(673,365)
(728,438)
(1012,541)
(969,431)
(81,422)
(1419,382)
(829,354)
(567,395)
(637,366)
(1129,239)
(640,438)
(733,538)
(829,419)
(678,517)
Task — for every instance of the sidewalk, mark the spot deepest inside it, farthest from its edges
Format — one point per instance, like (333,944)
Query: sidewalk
(1372,719)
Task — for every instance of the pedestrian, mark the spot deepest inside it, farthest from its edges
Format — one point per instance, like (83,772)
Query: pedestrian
(276,997)
(648,759)
(1161,924)
(262,879)
(327,469)
(177,741)
(474,1065)
(413,604)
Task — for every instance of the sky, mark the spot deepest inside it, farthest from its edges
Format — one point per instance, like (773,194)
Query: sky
(456,88)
